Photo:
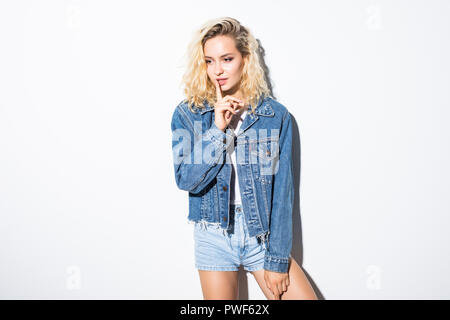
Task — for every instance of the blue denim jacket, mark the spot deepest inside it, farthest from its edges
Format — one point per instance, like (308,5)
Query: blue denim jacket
(264,165)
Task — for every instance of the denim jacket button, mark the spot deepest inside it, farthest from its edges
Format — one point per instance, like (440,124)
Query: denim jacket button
(224,218)
(268,152)
(224,188)
(225,140)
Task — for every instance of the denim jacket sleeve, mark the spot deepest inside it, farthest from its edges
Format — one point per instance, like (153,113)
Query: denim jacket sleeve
(280,236)
(191,174)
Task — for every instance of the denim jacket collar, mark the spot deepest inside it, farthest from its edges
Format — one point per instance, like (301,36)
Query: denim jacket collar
(263,109)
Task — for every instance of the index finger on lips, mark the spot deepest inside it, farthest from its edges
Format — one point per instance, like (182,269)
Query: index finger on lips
(218,90)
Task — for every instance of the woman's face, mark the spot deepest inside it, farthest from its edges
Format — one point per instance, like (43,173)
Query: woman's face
(223,60)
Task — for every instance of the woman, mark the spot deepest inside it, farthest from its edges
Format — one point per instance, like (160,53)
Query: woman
(241,207)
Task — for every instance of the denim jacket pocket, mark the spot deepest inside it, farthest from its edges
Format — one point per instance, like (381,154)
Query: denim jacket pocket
(263,159)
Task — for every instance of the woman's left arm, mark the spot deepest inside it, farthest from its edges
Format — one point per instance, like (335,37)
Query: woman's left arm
(280,237)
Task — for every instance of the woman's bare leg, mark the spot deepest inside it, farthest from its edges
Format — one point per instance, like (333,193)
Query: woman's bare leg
(219,285)
(299,287)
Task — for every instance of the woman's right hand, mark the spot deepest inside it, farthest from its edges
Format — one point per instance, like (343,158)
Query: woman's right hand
(225,107)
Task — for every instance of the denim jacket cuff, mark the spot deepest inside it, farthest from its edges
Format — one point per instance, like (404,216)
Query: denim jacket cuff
(276,264)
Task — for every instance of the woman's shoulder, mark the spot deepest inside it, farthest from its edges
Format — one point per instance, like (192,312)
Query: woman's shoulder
(186,114)
(278,108)
(181,109)
(183,104)
(187,108)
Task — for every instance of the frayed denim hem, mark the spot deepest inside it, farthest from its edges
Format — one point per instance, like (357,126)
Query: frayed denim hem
(263,237)
(203,224)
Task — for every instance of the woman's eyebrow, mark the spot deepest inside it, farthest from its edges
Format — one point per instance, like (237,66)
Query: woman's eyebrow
(226,54)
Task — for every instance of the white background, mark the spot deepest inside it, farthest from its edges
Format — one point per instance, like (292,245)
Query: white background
(89,208)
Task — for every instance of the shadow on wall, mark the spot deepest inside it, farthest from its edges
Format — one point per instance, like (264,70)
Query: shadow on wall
(297,244)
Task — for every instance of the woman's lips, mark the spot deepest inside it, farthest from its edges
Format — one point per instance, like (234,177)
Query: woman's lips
(222,81)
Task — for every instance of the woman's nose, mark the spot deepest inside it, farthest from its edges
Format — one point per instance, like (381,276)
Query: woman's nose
(219,69)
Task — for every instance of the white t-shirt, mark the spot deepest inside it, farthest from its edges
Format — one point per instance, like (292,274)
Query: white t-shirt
(235,124)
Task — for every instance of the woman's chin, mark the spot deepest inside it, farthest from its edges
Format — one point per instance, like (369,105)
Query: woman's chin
(227,89)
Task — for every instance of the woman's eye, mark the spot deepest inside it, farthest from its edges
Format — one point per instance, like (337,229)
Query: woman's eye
(226,59)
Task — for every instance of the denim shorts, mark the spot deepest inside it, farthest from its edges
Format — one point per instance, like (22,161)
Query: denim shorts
(225,250)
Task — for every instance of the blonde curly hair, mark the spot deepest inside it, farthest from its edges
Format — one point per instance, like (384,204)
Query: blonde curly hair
(197,85)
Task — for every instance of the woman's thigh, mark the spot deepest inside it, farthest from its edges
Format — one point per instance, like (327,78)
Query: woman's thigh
(217,264)
(219,285)
(219,253)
